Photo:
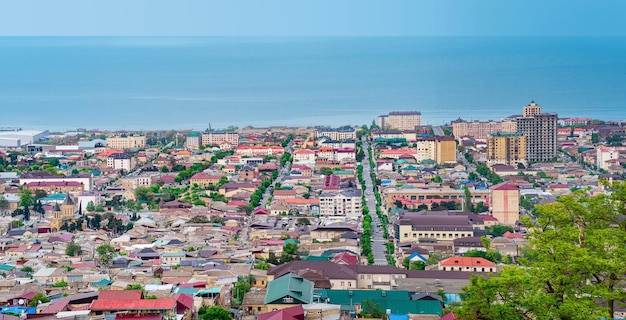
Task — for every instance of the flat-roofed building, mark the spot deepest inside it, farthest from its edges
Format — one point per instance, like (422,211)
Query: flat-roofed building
(128,142)
(390,195)
(416,227)
(400,120)
(343,203)
(540,130)
(342,133)
(508,148)
(505,199)
(219,137)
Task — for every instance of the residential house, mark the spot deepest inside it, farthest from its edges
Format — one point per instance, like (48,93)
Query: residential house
(467,264)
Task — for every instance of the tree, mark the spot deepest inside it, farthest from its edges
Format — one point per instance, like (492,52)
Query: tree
(290,247)
(39,193)
(105,254)
(498,230)
(4,204)
(143,193)
(37,299)
(91,207)
(99,208)
(418,265)
(371,309)
(134,286)
(467,199)
(72,249)
(214,313)
(199,219)
(26,198)
(573,268)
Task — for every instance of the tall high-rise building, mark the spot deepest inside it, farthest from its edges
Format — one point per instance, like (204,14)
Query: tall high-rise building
(400,120)
(540,130)
(507,148)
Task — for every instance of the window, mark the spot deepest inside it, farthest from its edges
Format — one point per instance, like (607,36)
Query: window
(362,277)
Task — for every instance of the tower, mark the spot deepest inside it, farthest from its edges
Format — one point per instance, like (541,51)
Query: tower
(540,130)
(68,207)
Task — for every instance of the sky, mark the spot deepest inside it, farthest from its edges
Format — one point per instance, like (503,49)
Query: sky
(312,18)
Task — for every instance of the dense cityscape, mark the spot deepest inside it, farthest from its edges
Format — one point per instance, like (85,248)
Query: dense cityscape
(388,220)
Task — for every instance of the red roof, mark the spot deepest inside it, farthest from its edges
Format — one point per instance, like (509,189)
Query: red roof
(204,175)
(510,235)
(114,305)
(466,262)
(54,183)
(185,300)
(260,211)
(292,313)
(347,258)
(149,316)
(505,186)
(120,295)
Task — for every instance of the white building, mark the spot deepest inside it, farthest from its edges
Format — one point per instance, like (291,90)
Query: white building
(19,137)
(343,203)
(121,161)
(604,154)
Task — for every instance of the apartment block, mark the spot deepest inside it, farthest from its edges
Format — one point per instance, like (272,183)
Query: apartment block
(505,199)
(343,133)
(217,138)
(343,203)
(445,149)
(603,154)
(400,120)
(480,129)
(121,161)
(507,148)
(126,142)
(416,228)
(540,130)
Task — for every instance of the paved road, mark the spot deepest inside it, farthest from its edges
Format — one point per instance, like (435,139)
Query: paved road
(438,131)
(378,242)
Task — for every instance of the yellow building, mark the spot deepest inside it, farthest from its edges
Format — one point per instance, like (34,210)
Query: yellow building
(62,213)
(445,149)
(400,120)
(416,228)
(507,148)
(127,142)
(391,194)
(505,203)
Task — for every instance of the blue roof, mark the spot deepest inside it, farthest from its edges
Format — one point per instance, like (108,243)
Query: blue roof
(419,256)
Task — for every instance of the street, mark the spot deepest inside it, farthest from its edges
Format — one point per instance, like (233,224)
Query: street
(378,241)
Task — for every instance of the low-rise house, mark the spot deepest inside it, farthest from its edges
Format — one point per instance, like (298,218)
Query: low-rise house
(467,264)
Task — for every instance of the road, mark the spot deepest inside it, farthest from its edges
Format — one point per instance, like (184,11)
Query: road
(438,131)
(378,241)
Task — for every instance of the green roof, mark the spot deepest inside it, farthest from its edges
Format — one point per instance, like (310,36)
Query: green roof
(289,286)
(398,301)
(102,283)
(194,134)
(173,254)
(343,172)
(316,258)
(54,197)
(6,267)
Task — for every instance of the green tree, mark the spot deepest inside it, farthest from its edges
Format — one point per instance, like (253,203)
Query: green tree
(60,284)
(37,299)
(574,267)
(27,269)
(371,309)
(26,198)
(99,208)
(134,286)
(290,247)
(4,204)
(143,193)
(91,207)
(105,254)
(467,199)
(214,313)
(72,249)
(418,265)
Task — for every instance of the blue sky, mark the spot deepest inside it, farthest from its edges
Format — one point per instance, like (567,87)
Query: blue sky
(312,18)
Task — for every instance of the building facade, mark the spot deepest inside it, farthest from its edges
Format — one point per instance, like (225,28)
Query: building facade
(343,133)
(400,120)
(540,130)
(126,142)
(507,148)
(342,203)
(121,161)
(217,138)
(480,129)
(505,198)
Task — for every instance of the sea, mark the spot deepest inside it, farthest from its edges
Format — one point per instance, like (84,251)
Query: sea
(146,83)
